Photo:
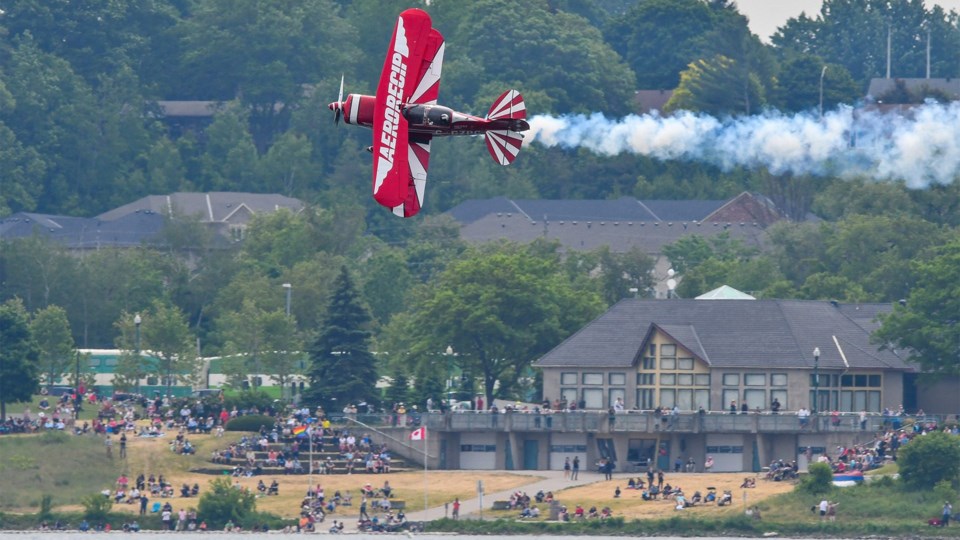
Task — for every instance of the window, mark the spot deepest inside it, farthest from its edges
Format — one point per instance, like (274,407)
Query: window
(653,349)
(755,398)
(731,395)
(754,379)
(685,400)
(685,379)
(110,362)
(874,381)
(645,379)
(618,379)
(778,379)
(668,350)
(781,396)
(645,398)
(668,363)
(649,363)
(668,379)
(593,398)
(701,398)
(668,398)
(568,448)
(568,394)
(685,363)
(478,448)
(593,378)
(568,378)
(731,379)
(701,379)
(617,393)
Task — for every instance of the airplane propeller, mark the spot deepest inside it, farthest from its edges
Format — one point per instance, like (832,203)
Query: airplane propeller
(336,118)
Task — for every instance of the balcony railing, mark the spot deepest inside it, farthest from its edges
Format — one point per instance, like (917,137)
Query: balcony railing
(645,421)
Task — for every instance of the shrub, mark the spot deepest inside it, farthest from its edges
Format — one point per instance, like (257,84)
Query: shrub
(46,508)
(927,460)
(96,507)
(248,399)
(819,479)
(250,422)
(223,502)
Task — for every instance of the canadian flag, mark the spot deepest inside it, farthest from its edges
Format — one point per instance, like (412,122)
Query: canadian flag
(418,434)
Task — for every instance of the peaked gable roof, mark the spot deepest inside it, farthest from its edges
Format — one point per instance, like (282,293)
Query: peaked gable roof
(761,334)
(213,207)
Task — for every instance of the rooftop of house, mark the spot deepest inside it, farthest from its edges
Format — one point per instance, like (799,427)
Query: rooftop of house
(760,334)
(622,224)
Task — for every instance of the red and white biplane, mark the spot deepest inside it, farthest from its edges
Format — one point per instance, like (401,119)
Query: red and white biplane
(405,116)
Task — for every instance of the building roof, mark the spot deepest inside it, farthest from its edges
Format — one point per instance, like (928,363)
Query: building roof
(84,233)
(725,292)
(762,334)
(213,207)
(880,86)
(622,224)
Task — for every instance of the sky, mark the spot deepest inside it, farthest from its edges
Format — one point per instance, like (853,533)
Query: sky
(767,15)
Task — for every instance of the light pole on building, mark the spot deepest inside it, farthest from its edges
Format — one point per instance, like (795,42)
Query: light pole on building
(816,379)
(822,73)
(289,288)
(136,324)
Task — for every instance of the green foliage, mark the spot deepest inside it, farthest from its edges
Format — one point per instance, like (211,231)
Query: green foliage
(18,356)
(46,507)
(96,507)
(925,325)
(51,330)
(250,422)
(342,368)
(222,502)
(819,480)
(928,460)
(248,399)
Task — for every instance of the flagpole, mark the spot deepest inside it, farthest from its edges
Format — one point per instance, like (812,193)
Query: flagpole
(426,483)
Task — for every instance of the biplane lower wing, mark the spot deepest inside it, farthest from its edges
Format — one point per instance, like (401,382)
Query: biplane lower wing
(418,160)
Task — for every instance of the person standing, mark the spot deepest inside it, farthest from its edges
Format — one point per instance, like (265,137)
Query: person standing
(363,508)
(575,472)
(143,502)
(824,506)
(947,511)
(109,444)
(123,445)
(456,508)
(566,469)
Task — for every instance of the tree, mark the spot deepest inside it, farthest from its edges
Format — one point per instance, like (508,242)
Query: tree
(18,356)
(342,368)
(926,327)
(223,502)
(799,85)
(166,343)
(621,272)
(500,308)
(51,330)
(262,342)
(928,460)
(659,38)
(718,86)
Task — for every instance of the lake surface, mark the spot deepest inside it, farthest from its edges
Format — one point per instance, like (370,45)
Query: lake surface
(74,535)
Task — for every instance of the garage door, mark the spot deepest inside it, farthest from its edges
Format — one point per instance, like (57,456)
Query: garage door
(727,452)
(478,452)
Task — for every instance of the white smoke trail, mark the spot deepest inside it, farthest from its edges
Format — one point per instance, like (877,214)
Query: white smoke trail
(920,146)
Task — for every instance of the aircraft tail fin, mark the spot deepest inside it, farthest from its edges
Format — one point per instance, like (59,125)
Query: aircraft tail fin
(510,112)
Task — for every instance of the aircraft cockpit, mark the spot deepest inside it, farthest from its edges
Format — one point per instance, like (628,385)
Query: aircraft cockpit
(428,115)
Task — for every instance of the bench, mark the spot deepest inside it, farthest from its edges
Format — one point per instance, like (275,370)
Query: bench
(501,505)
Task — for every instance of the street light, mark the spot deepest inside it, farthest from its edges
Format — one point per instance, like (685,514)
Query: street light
(289,288)
(136,323)
(816,378)
(822,73)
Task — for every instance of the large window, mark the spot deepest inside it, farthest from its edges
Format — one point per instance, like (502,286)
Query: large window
(617,393)
(685,379)
(668,363)
(593,378)
(755,398)
(755,379)
(645,398)
(568,378)
(781,396)
(618,379)
(668,398)
(649,363)
(668,379)
(731,379)
(593,398)
(569,395)
(778,379)
(645,379)
(685,363)
(731,396)
(668,350)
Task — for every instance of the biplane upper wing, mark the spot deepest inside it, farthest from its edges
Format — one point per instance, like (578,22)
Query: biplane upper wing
(411,73)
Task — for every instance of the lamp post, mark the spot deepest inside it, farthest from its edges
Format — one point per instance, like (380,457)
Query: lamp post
(289,288)
(136,323)
(816,379)
(822,73)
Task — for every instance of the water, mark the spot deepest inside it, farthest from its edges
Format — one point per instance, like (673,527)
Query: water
(73,535)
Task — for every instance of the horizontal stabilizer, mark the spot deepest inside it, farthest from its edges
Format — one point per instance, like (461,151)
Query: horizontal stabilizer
(503,145)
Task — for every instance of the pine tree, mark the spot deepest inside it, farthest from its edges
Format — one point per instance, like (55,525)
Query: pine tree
(342,369)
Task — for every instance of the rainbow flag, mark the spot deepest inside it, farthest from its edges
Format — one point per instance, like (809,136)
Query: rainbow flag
(299,429)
